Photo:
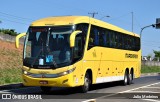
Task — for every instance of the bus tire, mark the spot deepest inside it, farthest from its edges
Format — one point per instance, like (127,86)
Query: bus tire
(45,89)
(125,80)
(87,82)
(131,77)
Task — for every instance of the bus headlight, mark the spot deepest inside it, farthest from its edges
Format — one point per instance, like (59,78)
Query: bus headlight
(66,72)
(25,72)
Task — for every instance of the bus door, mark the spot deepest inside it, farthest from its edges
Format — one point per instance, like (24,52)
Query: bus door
(78,53)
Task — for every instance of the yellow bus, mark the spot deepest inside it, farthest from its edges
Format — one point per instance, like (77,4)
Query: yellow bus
(71,51)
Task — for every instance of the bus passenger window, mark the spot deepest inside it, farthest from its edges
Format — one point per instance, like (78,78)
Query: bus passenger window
(112,39)
(126,42)
(137,41)
(116,40)
(102,38)
(107,38)
(119,41)
(96,35)
(94,38)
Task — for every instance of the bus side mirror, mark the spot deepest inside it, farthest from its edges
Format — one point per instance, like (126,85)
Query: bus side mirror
(18,37)
(73,36)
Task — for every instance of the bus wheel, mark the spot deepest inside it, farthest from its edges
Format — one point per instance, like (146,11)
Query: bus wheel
(125,81)
(130,79)
(45,89)
(87,82)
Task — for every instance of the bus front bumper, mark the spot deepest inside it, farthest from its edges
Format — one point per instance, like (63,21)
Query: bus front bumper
(63,81)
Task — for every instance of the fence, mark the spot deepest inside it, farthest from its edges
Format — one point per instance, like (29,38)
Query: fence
(154,61)
(151,63)
(10,38)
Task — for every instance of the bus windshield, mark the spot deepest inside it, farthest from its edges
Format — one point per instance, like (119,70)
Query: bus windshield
(47,47)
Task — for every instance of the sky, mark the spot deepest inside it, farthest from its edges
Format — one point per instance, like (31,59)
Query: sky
(19,14)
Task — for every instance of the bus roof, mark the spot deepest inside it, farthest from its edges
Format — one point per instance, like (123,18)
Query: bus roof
(71,20)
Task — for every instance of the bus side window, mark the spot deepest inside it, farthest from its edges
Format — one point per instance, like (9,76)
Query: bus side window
(102,38)
(112,39)
(93,38)
(116,40)
(132,43)
(96,35)
(119,41)
(107,40)
(123,41)
(126,42)
(137,41)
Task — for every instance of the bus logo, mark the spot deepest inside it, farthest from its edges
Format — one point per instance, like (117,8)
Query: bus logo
(131,55)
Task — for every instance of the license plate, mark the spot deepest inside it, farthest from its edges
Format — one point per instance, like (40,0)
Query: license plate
(43,82)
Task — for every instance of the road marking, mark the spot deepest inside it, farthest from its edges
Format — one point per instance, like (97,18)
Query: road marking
(131,90)
(143,92)
(90,100)
(151,100)
(4,92)
(139,87)
(153,87)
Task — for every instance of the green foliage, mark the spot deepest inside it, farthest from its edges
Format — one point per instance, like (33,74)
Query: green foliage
(150,69)
(9,31)
(157,53)
(10,75)
(10,63)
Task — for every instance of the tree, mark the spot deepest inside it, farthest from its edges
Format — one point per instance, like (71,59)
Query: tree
(156,54)
(149,56)
(9,31)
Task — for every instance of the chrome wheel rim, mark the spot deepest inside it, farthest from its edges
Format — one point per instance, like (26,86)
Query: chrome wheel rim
(86,84)
(125,79)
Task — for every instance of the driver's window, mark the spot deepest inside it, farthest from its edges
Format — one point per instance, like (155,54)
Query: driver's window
(80,40)
(78,47)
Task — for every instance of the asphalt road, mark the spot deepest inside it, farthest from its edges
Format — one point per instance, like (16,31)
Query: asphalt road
(144,89)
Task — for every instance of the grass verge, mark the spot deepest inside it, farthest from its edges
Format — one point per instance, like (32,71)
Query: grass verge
(150,69)
(10,63)
(10,76)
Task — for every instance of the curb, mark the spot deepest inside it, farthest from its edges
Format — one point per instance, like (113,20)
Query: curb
(11,86)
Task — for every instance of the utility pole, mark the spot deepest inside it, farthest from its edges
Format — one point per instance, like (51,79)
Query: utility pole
(93,14)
